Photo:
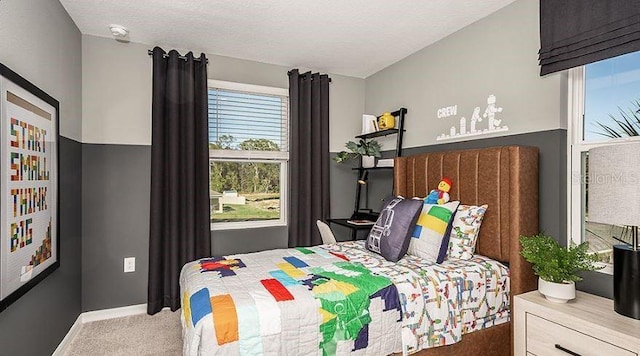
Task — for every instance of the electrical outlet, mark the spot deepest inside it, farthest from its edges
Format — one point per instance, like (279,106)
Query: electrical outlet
(129,264)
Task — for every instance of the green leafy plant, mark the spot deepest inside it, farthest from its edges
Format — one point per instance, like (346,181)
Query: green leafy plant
(626,125)
(357,149)
(555,263)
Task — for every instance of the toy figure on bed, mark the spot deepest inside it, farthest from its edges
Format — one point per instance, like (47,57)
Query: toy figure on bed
(440,195)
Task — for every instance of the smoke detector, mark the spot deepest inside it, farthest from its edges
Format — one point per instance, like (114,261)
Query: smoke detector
(118,31)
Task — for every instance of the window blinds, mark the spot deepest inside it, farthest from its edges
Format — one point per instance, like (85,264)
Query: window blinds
(248,121)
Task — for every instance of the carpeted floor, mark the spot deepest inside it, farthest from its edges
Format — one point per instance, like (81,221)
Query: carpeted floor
(158,335)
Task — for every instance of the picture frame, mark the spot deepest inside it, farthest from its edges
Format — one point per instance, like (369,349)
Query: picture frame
(29,186)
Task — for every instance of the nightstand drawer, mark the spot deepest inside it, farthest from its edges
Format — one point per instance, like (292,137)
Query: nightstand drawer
(545,337)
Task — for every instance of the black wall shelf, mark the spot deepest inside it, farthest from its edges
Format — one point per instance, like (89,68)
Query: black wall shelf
(378,134)
(367,213)
(399,132)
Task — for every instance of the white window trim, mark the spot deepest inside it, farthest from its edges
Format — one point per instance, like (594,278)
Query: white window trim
(227,155)
(254,156)
(575,111)
(575,146)
(259,89)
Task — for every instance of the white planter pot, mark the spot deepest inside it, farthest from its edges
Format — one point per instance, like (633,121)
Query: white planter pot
(368,161)
(557,292)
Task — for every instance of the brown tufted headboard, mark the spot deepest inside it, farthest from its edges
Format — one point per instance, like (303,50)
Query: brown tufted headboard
(505,178)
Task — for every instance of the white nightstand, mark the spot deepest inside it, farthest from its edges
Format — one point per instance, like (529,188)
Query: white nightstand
(584,326)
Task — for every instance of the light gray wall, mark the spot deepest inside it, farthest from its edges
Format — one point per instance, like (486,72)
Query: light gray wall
(40,42)
(495,55)
(117,91)
(116,153)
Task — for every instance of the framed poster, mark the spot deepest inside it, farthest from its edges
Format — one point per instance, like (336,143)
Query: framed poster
(29,239)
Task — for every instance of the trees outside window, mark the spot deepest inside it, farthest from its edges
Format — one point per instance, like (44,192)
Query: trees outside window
(248,145)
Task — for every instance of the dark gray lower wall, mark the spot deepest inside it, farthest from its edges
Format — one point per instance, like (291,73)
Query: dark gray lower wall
(115,195)
(115,201)
(552,170)
(597,283)
(552,145)
(115,225)
(228,242)
(39,320)
(552,185)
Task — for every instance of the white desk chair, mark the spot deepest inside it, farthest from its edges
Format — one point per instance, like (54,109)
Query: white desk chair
(325,232)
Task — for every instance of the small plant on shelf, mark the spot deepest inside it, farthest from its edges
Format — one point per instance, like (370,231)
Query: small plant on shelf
(357,149)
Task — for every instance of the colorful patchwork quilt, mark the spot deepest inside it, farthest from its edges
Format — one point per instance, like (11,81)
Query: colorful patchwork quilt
(336,300)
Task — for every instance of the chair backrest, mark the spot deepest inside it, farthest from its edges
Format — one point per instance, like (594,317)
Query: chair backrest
(325,232)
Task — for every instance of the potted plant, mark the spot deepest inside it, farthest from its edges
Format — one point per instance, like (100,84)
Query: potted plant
(368,150)
(557,267)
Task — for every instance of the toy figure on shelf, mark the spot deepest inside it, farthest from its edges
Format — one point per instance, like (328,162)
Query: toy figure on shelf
(440,195)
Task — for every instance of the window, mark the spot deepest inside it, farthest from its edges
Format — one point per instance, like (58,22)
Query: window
(604,110)
(248,155)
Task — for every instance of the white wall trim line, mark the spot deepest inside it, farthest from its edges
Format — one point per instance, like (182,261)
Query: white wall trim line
(252,88)
(113,313)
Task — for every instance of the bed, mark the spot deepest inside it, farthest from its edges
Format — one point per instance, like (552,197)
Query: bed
(342,299)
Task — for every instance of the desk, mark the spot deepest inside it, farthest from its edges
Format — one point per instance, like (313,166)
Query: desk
(354,228)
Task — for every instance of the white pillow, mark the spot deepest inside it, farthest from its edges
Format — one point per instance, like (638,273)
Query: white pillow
(465,231)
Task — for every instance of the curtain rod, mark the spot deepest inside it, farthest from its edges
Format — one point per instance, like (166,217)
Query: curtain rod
(309,72)
(180,57)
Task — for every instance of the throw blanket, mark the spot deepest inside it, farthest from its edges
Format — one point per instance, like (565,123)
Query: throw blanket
(334,300)
(440,302)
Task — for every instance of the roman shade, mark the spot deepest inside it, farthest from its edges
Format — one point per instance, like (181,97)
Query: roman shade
(579,32)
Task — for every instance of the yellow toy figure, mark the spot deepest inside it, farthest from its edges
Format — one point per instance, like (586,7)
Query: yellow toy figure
(440,195)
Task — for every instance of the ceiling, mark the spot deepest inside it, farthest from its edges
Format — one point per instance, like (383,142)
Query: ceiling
(350,37)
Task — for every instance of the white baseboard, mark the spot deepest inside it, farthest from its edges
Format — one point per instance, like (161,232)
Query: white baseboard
(113,313)
(64,344)
(96,315)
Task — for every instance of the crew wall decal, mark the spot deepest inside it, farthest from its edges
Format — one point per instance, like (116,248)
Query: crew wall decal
(489,122)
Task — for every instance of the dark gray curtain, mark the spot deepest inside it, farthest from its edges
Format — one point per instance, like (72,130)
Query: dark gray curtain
(579,32)
(179,228)
(308,156)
